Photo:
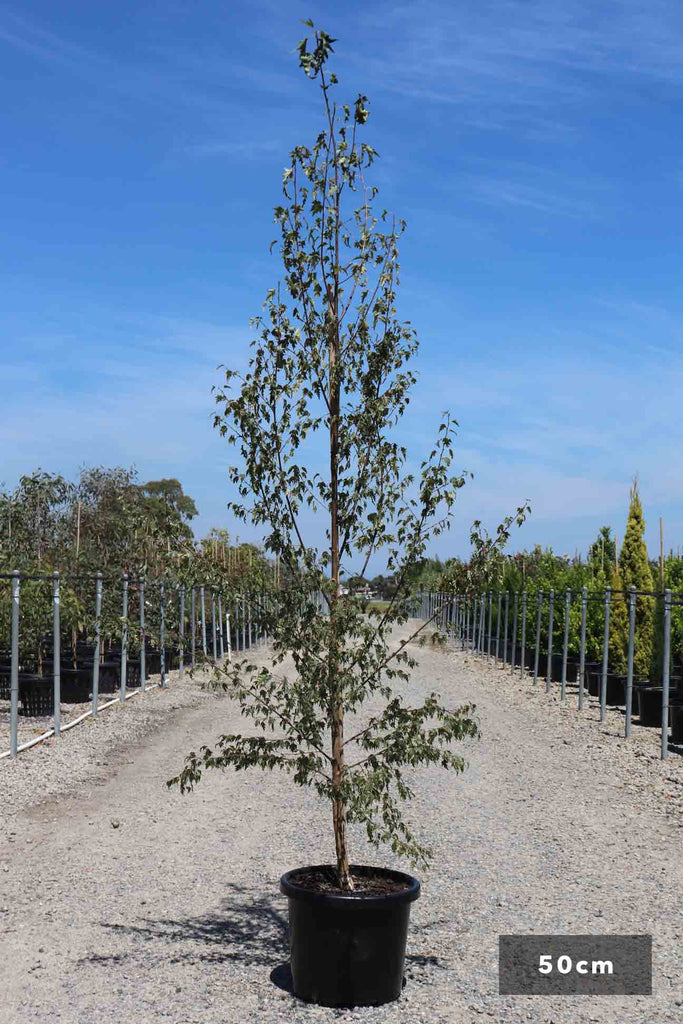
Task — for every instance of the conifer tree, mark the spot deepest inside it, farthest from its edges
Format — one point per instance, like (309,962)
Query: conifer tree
(635,571)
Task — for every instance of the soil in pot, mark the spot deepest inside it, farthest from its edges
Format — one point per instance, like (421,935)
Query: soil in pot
(348,949)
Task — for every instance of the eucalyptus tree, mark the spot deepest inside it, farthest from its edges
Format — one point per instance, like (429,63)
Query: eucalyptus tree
(329,359)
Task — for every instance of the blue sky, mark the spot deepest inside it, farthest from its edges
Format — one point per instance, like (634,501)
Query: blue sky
(534,149)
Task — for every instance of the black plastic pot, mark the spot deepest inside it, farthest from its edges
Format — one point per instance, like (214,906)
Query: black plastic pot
(676,719)
(616,689)
(37,696)
(109,677)
(649,703)
(152,663)
(348,949)
(593,677)
(75,685)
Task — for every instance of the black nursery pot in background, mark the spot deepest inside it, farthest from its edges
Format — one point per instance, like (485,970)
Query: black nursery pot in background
(348,949)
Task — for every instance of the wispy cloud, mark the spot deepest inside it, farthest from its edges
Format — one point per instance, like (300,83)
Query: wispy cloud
(523,58)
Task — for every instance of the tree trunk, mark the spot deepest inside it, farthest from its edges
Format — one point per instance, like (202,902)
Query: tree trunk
(338,804)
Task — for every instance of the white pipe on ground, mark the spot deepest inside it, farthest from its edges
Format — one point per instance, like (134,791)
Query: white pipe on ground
(70,725)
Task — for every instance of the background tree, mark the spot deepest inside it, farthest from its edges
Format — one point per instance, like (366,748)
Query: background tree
(634,570)
(603,551)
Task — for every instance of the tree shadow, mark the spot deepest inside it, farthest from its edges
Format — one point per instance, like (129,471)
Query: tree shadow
(247,928)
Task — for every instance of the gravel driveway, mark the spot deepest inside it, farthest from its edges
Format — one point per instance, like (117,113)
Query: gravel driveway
(122,901)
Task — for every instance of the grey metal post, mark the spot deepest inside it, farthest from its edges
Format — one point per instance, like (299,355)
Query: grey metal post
(227,635)
(214,638)
(202,607)
(221,648)
(565,646)
(14,670)
(505,641)
(181,632)
(244,625)
(490,621)
(514,633)
(665,673)
(523,652)
(473,645)
(124,639)
(538,633)
(629,669)
(549,666)
(162,632)
(482,626)
(143,640)
(605,655)
(500,597)
(193,622)
(96,659)
(56,652)
(582,652)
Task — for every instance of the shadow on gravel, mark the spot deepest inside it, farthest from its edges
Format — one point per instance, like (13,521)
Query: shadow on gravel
(247,929)
(416,968)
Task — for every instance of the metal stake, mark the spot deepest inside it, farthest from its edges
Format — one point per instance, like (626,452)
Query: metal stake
(605,655)
(181,633)
(490,621)
(629,670)
(549,666)
(522,659)
(96,660)
(124,639)
(14,670)
(162,633)
(567,603)
(220,627)
(56,652)
(203,612)
(514,634)
(143,642)
(582,653)
(193,623)
(665,673)
(538,633)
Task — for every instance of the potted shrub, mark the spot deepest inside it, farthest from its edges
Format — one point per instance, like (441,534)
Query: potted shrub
(329,361)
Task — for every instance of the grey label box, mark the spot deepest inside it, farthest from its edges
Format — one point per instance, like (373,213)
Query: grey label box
(591,965)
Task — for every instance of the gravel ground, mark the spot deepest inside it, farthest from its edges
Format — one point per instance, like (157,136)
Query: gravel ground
(123,901)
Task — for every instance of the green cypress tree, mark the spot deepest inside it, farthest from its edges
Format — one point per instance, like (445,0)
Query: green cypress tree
(603,550)
(634,569)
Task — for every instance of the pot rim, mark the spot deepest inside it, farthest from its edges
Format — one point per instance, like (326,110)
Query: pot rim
(289,888)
